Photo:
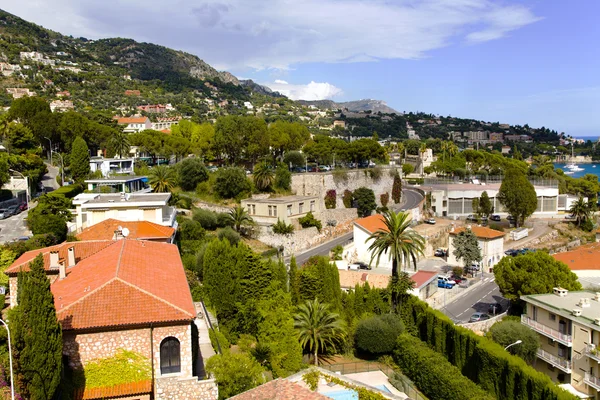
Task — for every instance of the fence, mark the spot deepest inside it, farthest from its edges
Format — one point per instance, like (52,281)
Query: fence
(550,183)
(396,379)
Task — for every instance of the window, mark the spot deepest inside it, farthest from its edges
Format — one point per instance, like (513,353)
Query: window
(551,342)
(552,317)
(300,208)
(270,211)
(274,211)
(312,206)
(169,356)
(289,210)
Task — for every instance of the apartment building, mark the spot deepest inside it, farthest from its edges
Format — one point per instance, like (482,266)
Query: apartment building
(569,327)
(286,208)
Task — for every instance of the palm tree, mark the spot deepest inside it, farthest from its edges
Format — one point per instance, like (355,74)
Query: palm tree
(580,210)
(120,143)
(161,179)
(401,150)
(239,217)
(398,242)
(263,176)
(318,328)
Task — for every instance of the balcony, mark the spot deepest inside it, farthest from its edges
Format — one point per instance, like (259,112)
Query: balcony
(562,338)
(592,352)
(169,215)
(592,381)
(558,362)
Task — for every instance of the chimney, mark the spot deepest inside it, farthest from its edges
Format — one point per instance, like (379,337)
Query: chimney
(54,259)
(62,271)
(71,256)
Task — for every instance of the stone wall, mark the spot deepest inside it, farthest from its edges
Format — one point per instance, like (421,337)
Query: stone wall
(298,241)
(167,388)
(317,184)
(340,215)
(184,334)
(483,326)
(212,207)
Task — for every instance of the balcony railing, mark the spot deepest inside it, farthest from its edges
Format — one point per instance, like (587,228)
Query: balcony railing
(170,213)
(560,363)
(592,352)
(563,338)
(592,381)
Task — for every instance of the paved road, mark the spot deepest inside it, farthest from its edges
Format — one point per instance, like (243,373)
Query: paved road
(410,199)
(13,227)
(477,299)
(323,250)
(49,180)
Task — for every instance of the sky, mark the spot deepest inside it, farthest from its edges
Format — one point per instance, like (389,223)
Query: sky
(507,61)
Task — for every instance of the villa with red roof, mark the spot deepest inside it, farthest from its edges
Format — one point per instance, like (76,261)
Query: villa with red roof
(124,294)
(363,228)
(112,229)
(491,243)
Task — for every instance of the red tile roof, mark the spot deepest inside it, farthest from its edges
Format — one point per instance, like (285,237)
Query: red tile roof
(128,283)
(145,230)
(132,120)
(372,223)
(124,389)
(349,279)
(586,257)
(83,250)
(279,389)
(420,278)
(481,232)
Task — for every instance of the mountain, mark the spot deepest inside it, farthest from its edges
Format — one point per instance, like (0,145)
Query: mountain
(355,106)
(260,89)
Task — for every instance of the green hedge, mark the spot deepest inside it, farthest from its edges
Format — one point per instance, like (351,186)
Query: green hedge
(484,362)
(433,374)
(69,191)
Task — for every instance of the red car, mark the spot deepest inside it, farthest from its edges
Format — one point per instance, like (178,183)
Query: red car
(23,206)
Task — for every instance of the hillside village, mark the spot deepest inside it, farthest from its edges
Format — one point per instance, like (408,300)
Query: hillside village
(172,232)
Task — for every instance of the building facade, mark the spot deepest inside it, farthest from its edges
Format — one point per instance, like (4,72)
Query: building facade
(286,209)
(110,166)
(491,244)
(568,324)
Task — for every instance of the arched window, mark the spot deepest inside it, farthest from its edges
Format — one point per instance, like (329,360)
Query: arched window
(170,361)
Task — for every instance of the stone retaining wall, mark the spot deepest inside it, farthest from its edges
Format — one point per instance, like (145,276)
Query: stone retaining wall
(483,326)
(185,389)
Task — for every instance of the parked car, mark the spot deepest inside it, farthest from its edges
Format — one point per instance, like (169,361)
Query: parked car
(472,218)
(13,210)
(495,309)
(495,217)
(298,170)
(358,265)
(23,206)
(569,216)
(324,168)
(430,221)
(440,253)
(212,168)
(445,285)
(446,279)
(510,218)
(479,316)
(4,213)
(512,252)
(457,279)
(22,238)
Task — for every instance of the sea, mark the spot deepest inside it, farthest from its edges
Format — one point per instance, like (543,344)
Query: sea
(586,169)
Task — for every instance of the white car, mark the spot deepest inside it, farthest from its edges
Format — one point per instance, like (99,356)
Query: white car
(446,280)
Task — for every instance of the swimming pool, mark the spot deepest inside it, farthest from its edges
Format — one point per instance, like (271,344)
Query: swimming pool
(351,394)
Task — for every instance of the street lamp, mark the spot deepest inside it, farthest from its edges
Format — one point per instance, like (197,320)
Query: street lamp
(512,344)
(48,139)
(12,383)
(26,186)
(62,167)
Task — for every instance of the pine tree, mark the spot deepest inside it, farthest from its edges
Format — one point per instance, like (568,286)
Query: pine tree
(38,336)
(397,189)
(293,281)
(80,159)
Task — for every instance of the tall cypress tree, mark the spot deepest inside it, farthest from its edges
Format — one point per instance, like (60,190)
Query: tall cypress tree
(397,189)
(80,159)
(38,336)
(293,281)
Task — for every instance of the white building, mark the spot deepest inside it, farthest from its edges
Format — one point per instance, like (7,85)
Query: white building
(110,166)
(61,105)
(135,124)
(92,208)
(456,199)
(119,184)
(490,241)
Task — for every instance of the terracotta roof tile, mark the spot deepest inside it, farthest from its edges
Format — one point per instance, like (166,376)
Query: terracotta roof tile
(280,389)
(481,232)
(132,120)
(422,277)
(124,389)
(586,257)
(372,223)
(349,279)
(147,230)
(129,282)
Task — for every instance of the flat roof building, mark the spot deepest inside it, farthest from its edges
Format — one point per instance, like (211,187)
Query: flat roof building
(287,208)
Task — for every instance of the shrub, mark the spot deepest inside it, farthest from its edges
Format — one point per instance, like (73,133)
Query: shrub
(587,225)
(191,172)
(191,230)
(281,228)
(384,198)
(330,199)
(124,367)
(206,218)
(407,169)
(377,335)
(336,252)
(340,176)
(215,337)
(309,220)
(283,177)
(376,174)
(433,374)
(507,332)
(235,373)
(51,224)
(223,220)
(347,198)
(229,234)
(69,191)
(365,199)
(231,182)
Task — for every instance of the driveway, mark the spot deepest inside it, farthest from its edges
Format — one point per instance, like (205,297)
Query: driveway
(540,228)
(13,227)
(49,180)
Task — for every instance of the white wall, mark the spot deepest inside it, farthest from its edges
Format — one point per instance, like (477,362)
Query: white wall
(363,254)
(492,252)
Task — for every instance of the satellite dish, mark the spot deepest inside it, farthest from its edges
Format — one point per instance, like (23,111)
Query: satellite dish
(125,232)
(127,196)
(119,228)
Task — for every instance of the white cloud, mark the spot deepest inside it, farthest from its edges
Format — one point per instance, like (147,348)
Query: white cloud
(310,91)
(280,33)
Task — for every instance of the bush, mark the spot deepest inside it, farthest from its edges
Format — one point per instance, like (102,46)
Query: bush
(347,198)
(51,224)
(365,199)
(215,337)
(206,218)
(377,335)
(340,176)
(507,332)
(384,198)
(309,220)
(224,220)
(433,374)
(587,225)
(191,230)
(69,191)
(330,199)
(283,177)
(336,252)
(124,367)
(191,172)
(281,228)
(480,359)
(229,234)
(231,182)
(376,174)
(407,169)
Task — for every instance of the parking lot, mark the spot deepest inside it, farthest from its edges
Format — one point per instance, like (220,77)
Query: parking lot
(13,227)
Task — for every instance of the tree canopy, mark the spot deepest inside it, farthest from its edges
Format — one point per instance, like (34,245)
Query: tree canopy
(466,247)
(517,195)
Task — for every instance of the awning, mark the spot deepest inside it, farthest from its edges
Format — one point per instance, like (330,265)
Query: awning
(574,391)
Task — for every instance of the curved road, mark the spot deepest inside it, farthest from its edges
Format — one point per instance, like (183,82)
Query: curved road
(410,199)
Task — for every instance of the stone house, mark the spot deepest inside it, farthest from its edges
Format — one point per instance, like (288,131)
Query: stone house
(125,294)
(286,208)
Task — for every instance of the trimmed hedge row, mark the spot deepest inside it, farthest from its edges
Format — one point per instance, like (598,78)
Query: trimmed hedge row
(69,191)
(433,374)
(484,362)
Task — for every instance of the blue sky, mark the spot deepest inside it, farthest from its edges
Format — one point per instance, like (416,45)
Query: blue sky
(513,61)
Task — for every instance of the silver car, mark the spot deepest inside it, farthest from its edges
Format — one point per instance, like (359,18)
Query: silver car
(4,213)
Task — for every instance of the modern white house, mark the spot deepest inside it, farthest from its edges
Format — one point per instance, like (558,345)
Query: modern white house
(93,208)
(119,184)
(456,199)
(135,124)
(491,243)
(109,166)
